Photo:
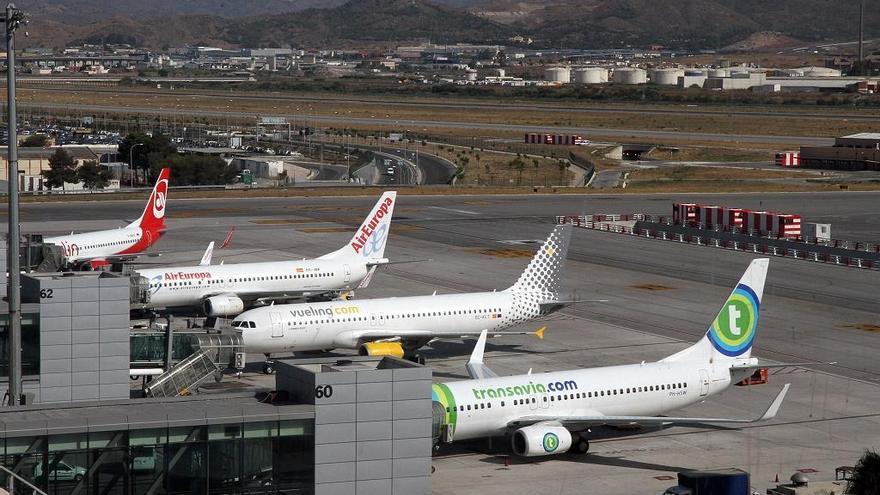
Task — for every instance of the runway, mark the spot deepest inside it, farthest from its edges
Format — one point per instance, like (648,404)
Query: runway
(661,296)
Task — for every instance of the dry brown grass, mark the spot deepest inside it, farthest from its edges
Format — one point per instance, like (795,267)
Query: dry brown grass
(633,116)
(684,173)
(711,154)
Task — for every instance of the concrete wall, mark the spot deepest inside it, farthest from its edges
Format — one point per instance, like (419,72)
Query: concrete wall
(373,433)
(84,343)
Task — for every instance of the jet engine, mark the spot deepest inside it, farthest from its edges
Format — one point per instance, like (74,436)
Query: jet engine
(381,349)
(223,305)
(541,439)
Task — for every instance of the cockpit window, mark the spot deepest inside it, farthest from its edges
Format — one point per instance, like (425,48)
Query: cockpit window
(252,324)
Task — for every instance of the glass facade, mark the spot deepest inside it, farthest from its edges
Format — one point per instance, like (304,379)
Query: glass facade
(263,457)
(30,344)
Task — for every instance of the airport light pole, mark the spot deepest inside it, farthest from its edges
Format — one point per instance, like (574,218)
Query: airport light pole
(131,162)
(13,19)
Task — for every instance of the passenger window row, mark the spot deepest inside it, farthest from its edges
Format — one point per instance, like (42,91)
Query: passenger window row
(190,283)
(577,395)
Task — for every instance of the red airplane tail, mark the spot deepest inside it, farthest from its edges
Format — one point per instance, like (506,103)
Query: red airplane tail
(153,217)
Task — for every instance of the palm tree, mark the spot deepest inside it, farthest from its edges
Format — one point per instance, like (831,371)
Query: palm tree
(866,476)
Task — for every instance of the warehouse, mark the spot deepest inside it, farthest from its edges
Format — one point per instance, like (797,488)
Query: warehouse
(854,152)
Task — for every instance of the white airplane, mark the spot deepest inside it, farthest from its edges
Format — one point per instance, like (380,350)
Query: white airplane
(547,413)
(226,289)
(100,248)
(398,326)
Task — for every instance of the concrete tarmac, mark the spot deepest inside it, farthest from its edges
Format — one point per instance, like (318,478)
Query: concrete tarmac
(661,297)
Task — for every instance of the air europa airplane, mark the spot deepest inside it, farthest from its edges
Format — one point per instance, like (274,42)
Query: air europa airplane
(227,289)
(548,413)
(400,325)
(100,248)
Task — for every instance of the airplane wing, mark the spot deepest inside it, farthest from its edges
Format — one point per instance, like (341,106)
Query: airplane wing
(376,335)
(750,367)
(387,262)
(599,419)
(475,367)
(551,306)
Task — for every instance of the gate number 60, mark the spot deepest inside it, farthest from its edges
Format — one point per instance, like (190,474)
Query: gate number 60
(323,392)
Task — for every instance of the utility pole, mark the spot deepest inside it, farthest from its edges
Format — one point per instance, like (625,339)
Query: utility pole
(13,19)
(861,37)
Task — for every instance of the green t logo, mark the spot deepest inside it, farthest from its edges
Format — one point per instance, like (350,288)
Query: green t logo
(733,314)
(551,442)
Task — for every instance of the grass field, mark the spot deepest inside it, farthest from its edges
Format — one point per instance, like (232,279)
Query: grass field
(632,117)
(688,173)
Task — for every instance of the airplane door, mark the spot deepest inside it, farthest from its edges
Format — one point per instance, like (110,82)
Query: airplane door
(704,383)
(533,402)
(346,270)
(544,401)
(277,325)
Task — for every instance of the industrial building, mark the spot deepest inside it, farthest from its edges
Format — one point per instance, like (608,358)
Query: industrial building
(854,152)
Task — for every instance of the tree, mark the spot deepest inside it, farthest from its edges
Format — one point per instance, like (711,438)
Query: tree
(147,152)
(866,476)
(35,141)
(62,169)
(519,165)
(563,166)
(92,175)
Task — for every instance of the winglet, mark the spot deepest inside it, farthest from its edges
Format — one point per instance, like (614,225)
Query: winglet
(540,333)
(206,258)
(479,348)
(771,411)
(475,367)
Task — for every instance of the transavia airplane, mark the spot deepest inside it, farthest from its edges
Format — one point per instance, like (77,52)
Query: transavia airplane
(226,289)
(100,248)
(548,413)
(398,326)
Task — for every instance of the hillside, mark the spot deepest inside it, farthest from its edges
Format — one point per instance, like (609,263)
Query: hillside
(692,24)
(367,20)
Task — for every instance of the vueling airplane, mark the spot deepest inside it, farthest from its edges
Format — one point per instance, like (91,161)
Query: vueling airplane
(226,289)
(100,248)
(398,326)
(548,413)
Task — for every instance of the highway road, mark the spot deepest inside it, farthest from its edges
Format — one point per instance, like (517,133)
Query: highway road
(591,132)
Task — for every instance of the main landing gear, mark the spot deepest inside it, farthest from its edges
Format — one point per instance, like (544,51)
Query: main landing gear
(268,365)
(582,446)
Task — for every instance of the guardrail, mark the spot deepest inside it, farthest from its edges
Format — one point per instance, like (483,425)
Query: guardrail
(788,248)
(10,485)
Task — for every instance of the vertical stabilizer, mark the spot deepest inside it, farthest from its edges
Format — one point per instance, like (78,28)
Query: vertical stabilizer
(368,242)
(544,273)
(153,217)
(732,332)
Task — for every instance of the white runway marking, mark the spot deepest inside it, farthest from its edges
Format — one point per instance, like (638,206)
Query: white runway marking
(454,210)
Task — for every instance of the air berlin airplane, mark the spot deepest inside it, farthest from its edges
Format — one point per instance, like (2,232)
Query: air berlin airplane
(96,249)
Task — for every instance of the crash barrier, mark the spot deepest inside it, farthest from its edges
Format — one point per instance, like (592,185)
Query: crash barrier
(835,252)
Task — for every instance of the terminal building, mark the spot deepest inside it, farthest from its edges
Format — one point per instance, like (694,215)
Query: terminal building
(323,426)
(854,152)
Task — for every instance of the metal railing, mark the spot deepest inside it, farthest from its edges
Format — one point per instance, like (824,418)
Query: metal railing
(10,483)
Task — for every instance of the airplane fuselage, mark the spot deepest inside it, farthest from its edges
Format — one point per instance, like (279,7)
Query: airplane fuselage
(481,408)
(104,243)
(188,286)
(339,324)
